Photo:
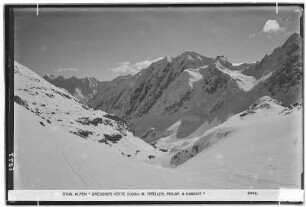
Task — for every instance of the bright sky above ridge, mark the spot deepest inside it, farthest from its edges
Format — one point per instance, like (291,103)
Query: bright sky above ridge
(108,42)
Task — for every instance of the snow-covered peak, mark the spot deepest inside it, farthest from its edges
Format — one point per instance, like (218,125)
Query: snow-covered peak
(189,53)
(191,56)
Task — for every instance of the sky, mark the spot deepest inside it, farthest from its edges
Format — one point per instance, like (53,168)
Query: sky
(107,42)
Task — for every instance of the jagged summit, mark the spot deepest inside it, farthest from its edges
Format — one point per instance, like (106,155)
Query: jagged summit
(190,55)
(223,61)
(221,58)
(193,56)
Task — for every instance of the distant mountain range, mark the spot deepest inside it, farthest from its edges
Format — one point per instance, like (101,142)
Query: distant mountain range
(82,88)
(193,89)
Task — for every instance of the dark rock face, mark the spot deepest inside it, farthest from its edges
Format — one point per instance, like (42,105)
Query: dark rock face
(87,121)
(290,52)
(201,145)
(285,67)
(113,138)
(82,133)
(156,80)
(214,80)
(177,105)
(136,95)
(19,101)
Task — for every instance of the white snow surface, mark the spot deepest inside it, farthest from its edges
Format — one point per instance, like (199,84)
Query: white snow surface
(262,144)
(244,82)
(194,76)
(237,64)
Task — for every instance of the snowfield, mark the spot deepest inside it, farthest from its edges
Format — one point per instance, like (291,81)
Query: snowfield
(244,82)
(50,158)
(252,156)
(262,144)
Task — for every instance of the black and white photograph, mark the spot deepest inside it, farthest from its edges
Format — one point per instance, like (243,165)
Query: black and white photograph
(155,101)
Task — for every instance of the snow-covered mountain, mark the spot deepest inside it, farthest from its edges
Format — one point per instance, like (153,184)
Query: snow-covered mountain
(58,108)
(136,95)
(168,88)
(194,89)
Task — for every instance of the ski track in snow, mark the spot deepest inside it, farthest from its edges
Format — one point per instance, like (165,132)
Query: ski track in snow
(88,180)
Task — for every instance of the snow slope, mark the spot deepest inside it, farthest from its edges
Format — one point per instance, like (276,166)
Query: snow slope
(57,107)
(51,158)
(262,144)
(48,157)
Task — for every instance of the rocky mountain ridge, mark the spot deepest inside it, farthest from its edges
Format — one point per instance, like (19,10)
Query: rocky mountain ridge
(194,89)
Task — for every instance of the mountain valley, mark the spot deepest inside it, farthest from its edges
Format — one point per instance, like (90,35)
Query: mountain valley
(188,121)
